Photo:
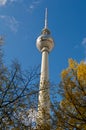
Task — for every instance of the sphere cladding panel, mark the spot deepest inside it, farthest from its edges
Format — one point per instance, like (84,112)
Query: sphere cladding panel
(45,41)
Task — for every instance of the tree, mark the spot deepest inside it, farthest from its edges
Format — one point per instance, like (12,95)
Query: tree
(72,110)
(18,94)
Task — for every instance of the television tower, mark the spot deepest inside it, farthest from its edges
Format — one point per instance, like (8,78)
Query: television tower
(44,44)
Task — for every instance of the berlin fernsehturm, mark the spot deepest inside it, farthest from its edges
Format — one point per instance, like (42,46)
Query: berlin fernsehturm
(44,44)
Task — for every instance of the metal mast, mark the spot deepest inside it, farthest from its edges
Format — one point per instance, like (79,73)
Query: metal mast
(46,18)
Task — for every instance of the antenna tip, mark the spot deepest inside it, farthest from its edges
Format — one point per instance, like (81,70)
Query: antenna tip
(46,21)
(46,8)
(45,11)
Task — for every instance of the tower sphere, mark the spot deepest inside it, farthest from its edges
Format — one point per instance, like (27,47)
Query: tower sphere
(45,41)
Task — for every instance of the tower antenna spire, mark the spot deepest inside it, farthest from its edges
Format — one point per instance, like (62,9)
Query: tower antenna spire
(46,18)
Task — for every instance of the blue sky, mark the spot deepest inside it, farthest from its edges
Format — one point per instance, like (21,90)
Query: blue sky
(21,22)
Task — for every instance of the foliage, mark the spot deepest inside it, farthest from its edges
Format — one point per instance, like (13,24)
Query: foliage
(18,94)
(72,111)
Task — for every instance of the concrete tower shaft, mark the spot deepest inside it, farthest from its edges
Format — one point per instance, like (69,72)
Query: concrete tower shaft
(44,44)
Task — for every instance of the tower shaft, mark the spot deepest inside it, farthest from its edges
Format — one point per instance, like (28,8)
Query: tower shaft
(44,66)
(44,95)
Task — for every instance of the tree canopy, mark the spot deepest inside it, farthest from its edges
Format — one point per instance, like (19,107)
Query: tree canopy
(18,94)
(72,111)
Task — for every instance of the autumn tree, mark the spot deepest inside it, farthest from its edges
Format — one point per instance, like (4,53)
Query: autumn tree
(72,110)
(18,94)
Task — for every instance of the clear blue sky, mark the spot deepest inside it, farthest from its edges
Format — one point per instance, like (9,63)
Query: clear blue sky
(21,22)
